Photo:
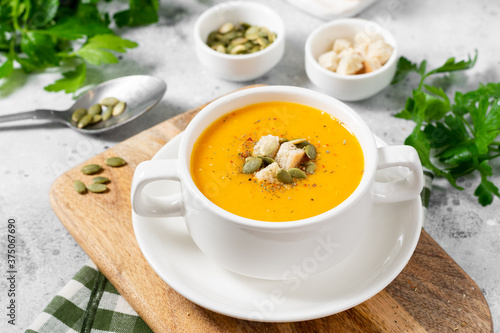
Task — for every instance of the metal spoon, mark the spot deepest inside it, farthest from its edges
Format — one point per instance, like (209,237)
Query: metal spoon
(140,92)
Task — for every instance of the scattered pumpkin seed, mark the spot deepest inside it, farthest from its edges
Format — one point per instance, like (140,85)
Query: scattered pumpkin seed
(251,165)
(95,109)
(228,38)
(119,108)
(97,188)
(107,114)
(266,159)
(85,121)
(283,140)
(91,169)
(109,101)
(115,162)
(310,151)
(78,114)
(297,173)
(310,167)
(79,186)
(100,180)
(284,176)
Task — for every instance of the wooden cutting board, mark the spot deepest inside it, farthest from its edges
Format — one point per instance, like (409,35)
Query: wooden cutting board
(432,293)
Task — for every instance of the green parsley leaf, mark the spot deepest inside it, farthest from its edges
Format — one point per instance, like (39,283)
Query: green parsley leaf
(451,65)
(141,12)
(486,189)
(7,67)
(404,68)
(42,12)
(39,48)
(71,81)
(40,34)
(27,64)
(73,28)
(95,50)
(436,107)
(454,138)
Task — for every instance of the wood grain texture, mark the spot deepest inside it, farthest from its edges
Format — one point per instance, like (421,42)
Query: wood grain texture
(432,293)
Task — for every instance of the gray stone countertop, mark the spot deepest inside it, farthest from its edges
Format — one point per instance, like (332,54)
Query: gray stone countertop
(33,156)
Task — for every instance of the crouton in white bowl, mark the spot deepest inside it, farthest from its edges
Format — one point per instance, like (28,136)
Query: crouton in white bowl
(351,59)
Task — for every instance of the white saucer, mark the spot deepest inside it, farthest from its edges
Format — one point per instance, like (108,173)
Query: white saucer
(168,248)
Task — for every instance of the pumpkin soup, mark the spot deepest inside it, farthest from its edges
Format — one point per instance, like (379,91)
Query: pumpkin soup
(277,161)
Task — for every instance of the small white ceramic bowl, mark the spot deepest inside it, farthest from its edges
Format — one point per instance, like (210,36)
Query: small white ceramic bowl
(347,87)
(241,67)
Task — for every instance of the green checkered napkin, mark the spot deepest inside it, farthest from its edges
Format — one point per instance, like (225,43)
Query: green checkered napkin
(90,303)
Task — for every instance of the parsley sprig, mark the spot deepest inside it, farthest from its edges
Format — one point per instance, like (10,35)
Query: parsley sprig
(41,34)
(454,137)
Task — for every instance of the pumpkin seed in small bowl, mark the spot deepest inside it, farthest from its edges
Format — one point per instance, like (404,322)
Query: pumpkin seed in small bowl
(239,40)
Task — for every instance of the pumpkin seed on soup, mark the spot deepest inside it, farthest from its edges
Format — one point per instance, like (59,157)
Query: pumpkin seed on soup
(310,151)
(297,141)
(284,176)
(266,159)
(251,165)
(297,173)
(302,144)
(310,167)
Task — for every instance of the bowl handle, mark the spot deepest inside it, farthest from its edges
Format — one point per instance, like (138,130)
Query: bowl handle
(151,171)
(407,185)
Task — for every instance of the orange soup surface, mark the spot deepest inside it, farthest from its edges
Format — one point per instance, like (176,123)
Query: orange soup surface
(219,154)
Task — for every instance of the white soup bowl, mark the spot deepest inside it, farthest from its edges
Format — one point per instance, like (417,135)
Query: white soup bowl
(274,250)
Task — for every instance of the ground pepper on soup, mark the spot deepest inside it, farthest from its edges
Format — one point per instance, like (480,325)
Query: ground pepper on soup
(225,147)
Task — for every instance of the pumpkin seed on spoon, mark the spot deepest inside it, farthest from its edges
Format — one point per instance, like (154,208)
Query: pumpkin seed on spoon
(139,92)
